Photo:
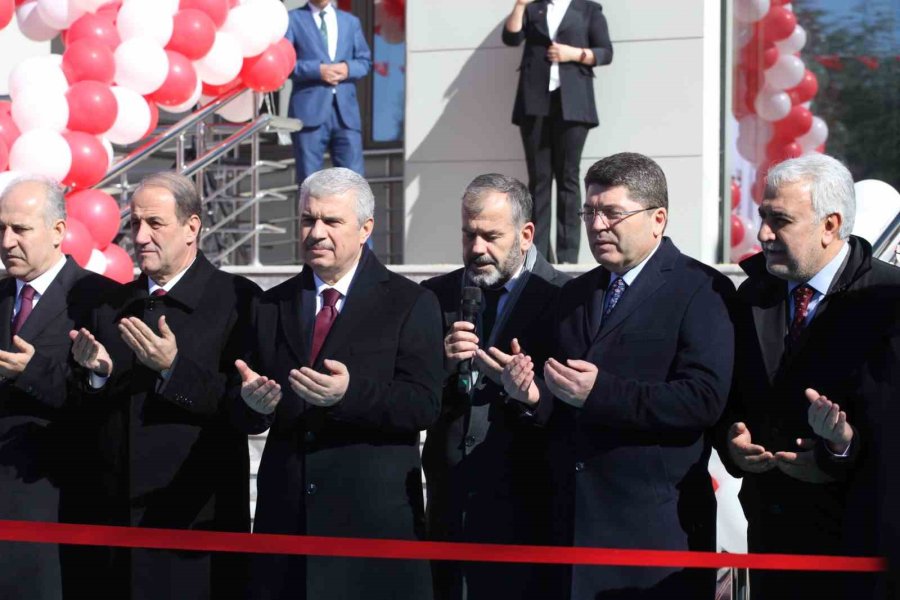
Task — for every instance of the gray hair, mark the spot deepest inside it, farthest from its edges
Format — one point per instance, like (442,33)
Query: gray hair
(54,196)
(187,200)
(830,186)
(337,181)
(517,195)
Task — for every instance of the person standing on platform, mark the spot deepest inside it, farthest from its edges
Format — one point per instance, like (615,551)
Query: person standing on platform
(345,373)
(484,460)
(45,295)
(160,359)
(555,106)
(639,374)
(332,55)
(813,318)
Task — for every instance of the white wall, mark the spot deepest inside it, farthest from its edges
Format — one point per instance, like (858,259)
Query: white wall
(660,97)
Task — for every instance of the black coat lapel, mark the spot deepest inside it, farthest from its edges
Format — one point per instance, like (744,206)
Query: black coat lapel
(296,310)
(52,302)
(537,14)
(7,303)
(574,16)
(597,283)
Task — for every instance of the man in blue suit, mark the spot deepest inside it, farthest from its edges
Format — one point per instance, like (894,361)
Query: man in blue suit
(332,54)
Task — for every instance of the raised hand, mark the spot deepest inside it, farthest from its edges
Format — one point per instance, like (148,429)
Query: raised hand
(460,344)
(829,422)
(12,364)
(745,454)
(320,389)
(801,464)
(154,351)
(571,382)
(260,393)
(89,353)
(492,362)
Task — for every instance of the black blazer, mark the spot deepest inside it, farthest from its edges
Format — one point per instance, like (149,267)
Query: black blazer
(631,465)
(39,449)
(175,459)
(583,26)
(485,462)
(352,469)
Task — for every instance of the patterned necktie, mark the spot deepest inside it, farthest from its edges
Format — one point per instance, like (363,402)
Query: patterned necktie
(158,292)
(615,294)
(323,29)
(489,316)
(27,303)
(324,320)
(802,295)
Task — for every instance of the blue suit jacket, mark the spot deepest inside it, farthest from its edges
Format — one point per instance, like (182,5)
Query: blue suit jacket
(311,97)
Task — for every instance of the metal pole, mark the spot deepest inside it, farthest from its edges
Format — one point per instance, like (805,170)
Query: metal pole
(254,186)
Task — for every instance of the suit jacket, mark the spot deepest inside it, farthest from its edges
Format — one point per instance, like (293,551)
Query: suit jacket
(175,458)
(485,461)
(837,353)
(631,464)
(311,97)
(352,469)
(583,26)
(39,453)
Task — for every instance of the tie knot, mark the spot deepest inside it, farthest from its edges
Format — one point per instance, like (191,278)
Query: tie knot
(802,294)
(158,292)
(28,292)
(330,297)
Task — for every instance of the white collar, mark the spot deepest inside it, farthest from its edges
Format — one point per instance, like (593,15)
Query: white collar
(821,281)
(153,286)
(42,281)
(631,274)
(342,285)
(316,10)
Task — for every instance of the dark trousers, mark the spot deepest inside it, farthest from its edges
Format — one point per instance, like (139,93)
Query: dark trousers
(553,151)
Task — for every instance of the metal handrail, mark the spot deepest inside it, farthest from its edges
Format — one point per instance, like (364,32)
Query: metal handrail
(888,239)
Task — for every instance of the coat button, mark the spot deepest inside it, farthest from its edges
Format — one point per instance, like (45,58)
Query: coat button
(470,441)
(311,489)
(579,467)
(309,437)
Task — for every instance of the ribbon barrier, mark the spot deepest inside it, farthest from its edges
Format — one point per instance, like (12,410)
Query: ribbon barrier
(260,543)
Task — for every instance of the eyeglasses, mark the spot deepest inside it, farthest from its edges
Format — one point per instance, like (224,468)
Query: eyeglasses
(608,215)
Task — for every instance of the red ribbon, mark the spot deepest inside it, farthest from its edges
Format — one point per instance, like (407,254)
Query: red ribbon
(260,543)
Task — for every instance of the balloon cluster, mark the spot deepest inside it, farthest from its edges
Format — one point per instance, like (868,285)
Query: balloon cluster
(124,61)
(772,94)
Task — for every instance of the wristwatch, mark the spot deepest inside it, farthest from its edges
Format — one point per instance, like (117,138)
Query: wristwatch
(583,55)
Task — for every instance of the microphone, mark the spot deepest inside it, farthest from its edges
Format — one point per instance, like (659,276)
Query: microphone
(469,308)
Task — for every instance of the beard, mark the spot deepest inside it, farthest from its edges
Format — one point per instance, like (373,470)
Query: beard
(500,271)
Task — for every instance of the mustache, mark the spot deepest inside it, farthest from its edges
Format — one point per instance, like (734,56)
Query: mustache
(483,260)
(771,247)
(309,244)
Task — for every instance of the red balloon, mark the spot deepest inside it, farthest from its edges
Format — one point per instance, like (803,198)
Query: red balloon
(217,10)
(89,60)
(4,156)
(193,34)
(218,90)
(5,107)
(98,211)
(118,264)
(778,24)
(735,193)
(78,242)
(9,132)
(154,115)
(265,72)
(7,10)
(757,55)
(780,150)
(92,107)
(180,83)
(737,231)
(89,160)
(97,27)
(287,50)
(798,122)
(806,89)
(110,10)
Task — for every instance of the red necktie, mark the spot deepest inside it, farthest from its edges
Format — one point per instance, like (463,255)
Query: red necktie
(25,306)
(802,295)
(324,320)
(158,292)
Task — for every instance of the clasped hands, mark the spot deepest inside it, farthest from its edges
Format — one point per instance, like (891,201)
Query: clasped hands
(156,352)
(334,73)
(263,394)
(828,422)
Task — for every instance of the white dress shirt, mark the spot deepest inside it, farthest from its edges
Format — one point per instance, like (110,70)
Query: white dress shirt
(629,276)
(820,283)
(39,284)
(331,25)
(556,10)
(342,285)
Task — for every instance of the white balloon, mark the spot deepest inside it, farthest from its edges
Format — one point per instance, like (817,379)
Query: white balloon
(238,110)
(816,135)
(187,104)
(772,106)
(41,152)
(787,72)
(275,15)
(742,35)
(132,119)
(90,6)
(877,203)
(750,11)
(792,43)
(38,72)
(36,109)
(97,262)
(58,14)
(110,153)
(7,177)
(222,63)
(250,27)
(141,64)
(32,26)
(753,127)
(139,18)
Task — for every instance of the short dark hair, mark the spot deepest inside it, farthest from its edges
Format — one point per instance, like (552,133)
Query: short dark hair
(516,192)
(187,200)
(639,174)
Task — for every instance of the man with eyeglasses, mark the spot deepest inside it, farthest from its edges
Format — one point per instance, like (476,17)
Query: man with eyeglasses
(640,372)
